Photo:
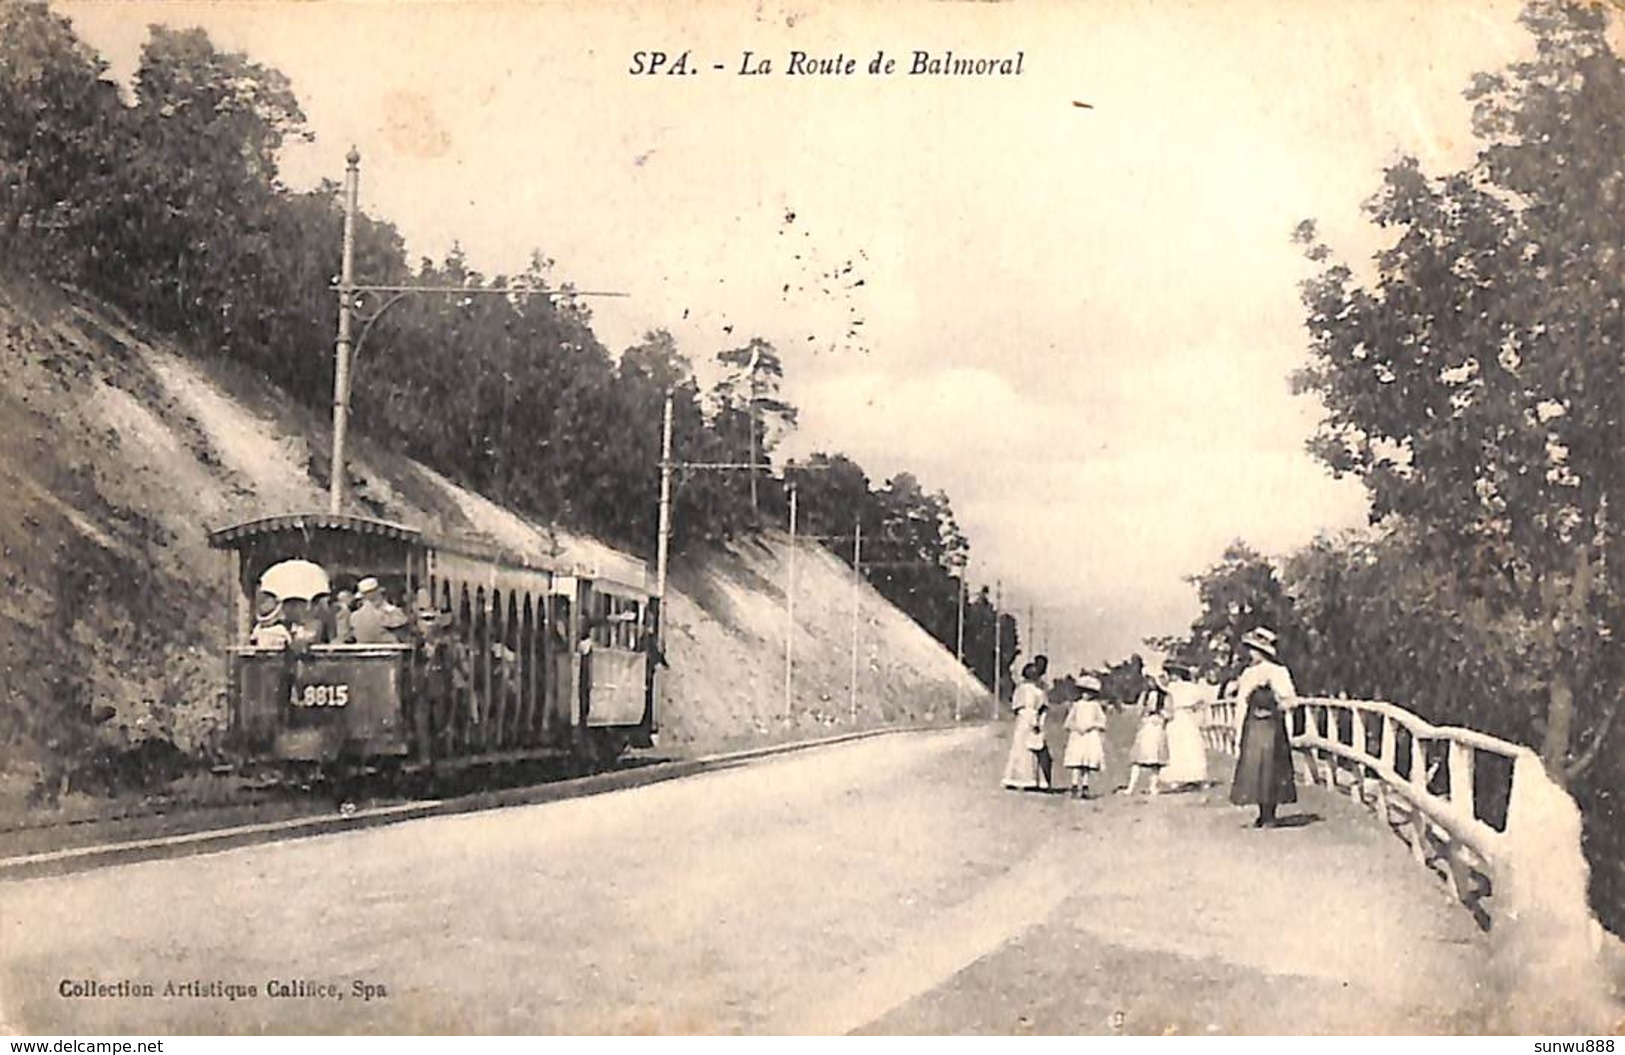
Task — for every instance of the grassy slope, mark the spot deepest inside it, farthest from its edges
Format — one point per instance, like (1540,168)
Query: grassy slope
(119,454)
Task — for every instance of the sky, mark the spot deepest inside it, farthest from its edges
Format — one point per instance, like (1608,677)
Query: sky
(1079,322)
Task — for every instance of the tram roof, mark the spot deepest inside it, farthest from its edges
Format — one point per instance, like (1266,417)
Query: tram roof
(576,555)
(228,537)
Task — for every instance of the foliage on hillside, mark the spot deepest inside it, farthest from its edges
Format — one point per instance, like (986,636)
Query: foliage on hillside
(168,203)
(1474,385)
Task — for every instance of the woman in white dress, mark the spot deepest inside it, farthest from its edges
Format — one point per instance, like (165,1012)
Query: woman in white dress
(1026,769)
(1085,740)
(1187,753)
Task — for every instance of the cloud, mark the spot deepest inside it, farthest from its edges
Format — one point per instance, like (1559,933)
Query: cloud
(1078,323)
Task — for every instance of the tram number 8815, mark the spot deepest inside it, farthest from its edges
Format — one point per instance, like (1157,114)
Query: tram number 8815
(319,695)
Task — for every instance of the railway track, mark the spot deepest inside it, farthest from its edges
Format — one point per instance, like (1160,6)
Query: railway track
(172,828)
(171,815)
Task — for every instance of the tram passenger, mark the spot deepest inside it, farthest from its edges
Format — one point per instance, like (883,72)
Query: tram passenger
(648,637)
(450,673)
(269,630)
(306,622)
(377,621)
(343,608)
(423,607)
(584,651)
(324,610)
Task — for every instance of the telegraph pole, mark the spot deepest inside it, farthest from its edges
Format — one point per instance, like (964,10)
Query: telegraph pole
(959,646)
(790,610)
(857,600)
(341,351)
(755,358)
(347,348)
(998,645)
(662,546)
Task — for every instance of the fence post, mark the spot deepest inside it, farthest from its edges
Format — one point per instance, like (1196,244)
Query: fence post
(1386,749)
(1461,778)
(1357,721)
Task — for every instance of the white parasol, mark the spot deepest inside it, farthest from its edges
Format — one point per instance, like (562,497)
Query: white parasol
(295,580)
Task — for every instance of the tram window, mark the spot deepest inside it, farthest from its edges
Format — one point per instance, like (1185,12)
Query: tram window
(602,628)
(629,625)
(615,621)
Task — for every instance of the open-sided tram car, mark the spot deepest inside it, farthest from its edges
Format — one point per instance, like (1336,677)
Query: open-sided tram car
(518,661)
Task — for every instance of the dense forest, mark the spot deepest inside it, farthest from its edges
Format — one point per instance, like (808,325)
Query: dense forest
(1473,378)
(166,201)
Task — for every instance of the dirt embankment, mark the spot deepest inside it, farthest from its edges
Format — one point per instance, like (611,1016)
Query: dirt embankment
(119,454)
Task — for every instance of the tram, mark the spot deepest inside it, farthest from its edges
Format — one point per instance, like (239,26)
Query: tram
(485,656)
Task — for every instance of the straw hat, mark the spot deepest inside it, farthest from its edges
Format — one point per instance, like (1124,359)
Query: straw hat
(267,607)
(366,586)
(1261,640)
(1090,685)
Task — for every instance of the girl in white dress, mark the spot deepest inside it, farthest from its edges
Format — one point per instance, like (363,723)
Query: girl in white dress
(1150,751)
(1085,739)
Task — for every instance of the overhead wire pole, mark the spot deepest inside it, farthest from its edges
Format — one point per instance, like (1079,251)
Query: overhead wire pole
(998,646)
(341,350)
(663,544)
(857,601)
(347,347)
(857,592)
(790,611)
(959,646)
(790,587)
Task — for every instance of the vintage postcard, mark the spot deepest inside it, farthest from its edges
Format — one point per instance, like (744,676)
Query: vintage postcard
(949,518)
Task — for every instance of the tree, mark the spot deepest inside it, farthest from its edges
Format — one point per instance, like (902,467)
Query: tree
(200,180)
(835,495)
(751,414)
(1475,384)
(1124,681)
(60,138)
(1243,591)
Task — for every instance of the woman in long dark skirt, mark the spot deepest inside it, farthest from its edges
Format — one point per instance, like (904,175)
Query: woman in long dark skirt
(1264,762)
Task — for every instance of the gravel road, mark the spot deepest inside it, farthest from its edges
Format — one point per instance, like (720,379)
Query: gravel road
(883,886)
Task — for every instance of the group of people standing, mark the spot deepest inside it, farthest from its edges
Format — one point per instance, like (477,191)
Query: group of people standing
(1169,751)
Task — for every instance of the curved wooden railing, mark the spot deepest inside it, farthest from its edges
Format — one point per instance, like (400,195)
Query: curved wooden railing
(1480,810)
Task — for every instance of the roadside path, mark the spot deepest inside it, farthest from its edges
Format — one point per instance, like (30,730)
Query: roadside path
(883,886)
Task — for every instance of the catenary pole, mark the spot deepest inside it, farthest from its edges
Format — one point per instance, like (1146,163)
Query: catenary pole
(959,648)
(998,645)
(663,545)
(790,611)
(857,600)
(341,349)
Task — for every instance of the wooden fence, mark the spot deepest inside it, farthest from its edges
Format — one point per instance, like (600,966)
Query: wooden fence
(1479,810)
